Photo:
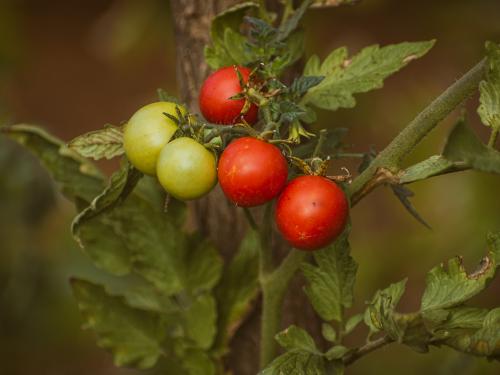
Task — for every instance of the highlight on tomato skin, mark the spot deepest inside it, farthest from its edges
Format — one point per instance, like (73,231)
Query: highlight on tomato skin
(215,93)
(252,172)
(311,212)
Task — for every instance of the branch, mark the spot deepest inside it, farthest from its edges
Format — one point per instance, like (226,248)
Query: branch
(366,349)
(391,157)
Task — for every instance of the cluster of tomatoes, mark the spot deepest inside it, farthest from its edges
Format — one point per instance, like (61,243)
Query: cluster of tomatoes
(311,210)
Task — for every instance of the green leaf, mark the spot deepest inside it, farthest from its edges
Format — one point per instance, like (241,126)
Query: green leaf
(296,362)
(336,352)
(289,54)
(237,288)
(328,332)
(292,23)
(296,338)
(463,317)
(78,178)
(352,323)
(203,265)
(94,231)
(99,144)
(392,294)
(199,321)
(361,73)
(489,108)
(302,84)
(331,3)
(133,336)
(484,342)
(197,362)
(464,147)
(435,165)
(330,284)
(452,285)
(119,187)
(228,46)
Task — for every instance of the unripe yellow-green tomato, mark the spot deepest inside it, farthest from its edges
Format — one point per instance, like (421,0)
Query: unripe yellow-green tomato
(186,169)
(147,131)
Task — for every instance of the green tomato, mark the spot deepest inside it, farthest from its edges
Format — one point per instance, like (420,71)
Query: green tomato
(186,169)
(147,131)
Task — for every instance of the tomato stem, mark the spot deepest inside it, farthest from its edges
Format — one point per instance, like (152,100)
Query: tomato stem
(401,146)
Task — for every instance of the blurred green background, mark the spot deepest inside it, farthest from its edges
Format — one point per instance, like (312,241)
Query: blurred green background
(72,66)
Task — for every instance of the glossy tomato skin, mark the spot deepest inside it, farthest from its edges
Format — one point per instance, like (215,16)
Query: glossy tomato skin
(311,212)
(215,92)
(147,131)
(186,169)
(252,172)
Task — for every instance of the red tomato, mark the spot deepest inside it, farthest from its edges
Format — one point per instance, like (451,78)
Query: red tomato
(252,172)
(311,212)
(214,101)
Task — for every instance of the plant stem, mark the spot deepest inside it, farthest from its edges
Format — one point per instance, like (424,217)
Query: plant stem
(366,349)
(493,138)
(250,219)
(416,130)
(274,287)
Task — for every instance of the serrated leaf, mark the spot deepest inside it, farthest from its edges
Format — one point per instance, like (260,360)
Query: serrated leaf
(464,147)
(489,108)
(199,321)
(336,352)
(451,285)
(302,84)
(363,72)
(296,362)
(484,342)
(106,143)
(95,233)
(293,22)
(133,336)
(330,284)
(219,54)
(328,332)
(393,294)
(353,322)
(120,185)
(78,178)
(289,54)
(237,288)
(296,338)
(435,165)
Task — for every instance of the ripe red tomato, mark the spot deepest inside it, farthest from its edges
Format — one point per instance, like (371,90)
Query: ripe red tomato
(252,172)
(311,212)
(215,92)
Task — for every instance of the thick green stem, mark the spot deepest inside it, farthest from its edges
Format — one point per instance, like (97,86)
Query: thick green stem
(274,287)
(391,157)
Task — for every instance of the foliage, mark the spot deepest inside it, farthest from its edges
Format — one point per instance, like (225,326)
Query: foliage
(173,303)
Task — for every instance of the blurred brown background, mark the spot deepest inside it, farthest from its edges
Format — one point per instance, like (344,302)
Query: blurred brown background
(73,66)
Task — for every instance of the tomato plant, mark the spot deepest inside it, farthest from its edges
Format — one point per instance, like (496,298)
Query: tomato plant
(216,92)
(252,171)
(173,302)
(311,212)
(147,131)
